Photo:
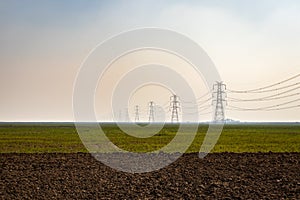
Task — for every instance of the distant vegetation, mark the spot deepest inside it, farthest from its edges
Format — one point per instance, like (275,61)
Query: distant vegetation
(39,138)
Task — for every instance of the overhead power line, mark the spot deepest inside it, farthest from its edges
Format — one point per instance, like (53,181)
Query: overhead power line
(204,101)
(199,113)
(284,108)
(215,102)
(272,109)
(204,108)
(258,90)
(267,98)
(263,108)
(264,91)
(207,93)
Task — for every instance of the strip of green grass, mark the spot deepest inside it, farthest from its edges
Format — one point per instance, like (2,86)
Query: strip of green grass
(39,138)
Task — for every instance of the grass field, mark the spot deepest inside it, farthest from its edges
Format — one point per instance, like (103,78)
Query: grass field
(51,137)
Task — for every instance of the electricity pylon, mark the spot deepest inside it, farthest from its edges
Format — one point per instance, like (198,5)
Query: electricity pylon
(126,117)
(120,116)
(137,116)
(219,96)
(151,111)
(174,107)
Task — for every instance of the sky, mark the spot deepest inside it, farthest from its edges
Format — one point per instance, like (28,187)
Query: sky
(252,43)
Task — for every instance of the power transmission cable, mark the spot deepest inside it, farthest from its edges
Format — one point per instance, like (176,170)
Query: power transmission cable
(197,101)
(272,109)
(267,98)
(264,91)
(204,107)
(202,102)
(262,108)
(209,92)
(258,90)
(284,108)
(199,112)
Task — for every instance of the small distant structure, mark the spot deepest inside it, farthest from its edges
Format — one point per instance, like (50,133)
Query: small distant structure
(151,111)
(174,107)
(137,115)
(231,121)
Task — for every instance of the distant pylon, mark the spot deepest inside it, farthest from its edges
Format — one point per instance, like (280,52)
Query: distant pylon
(127,119)
(137,116)
(174,106)
(151,111)
(120,116)
(219,95)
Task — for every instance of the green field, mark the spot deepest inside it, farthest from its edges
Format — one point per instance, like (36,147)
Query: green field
(51,137)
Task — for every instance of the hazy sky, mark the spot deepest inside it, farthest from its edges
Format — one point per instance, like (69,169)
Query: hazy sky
(253,43)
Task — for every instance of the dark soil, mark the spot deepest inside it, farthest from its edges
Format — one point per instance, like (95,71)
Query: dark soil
(217,176)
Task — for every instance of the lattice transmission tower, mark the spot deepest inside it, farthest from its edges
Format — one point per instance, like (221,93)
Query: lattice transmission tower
(151,111)
(137,115)
(174,107)
(219,101)
(126,115)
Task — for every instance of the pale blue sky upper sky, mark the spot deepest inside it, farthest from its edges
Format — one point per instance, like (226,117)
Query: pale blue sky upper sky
(42,44)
